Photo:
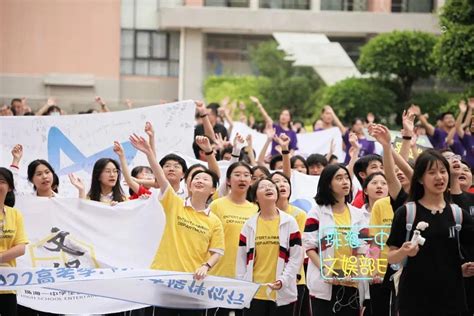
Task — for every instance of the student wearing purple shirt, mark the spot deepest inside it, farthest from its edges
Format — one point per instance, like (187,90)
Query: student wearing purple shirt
(438,135)
(367,147)
(466,138)
(282,127)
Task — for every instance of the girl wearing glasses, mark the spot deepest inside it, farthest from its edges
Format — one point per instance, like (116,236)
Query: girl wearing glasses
(270,254)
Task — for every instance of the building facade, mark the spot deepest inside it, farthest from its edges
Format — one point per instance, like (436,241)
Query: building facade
(154,50)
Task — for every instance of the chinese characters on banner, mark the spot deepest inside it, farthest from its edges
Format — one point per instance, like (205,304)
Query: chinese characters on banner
(356,252)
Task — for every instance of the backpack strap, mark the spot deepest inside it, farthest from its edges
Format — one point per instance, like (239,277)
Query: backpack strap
(458,217)
(411,214)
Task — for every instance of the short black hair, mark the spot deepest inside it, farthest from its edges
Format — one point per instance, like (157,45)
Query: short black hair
(367,181)
(325,195)
(442,115)
(189,171)
(32,169)
(176,158)
(279,173)
(362,164)
(215,178)
(263,169)
(15,100)
(253,190)
(213,107)
(274,161)
(316,159)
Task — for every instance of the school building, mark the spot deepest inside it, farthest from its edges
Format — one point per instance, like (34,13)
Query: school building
(152,50)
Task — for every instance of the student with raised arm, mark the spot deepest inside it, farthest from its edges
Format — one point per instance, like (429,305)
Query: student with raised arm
(283,126)
(431,282)
(12,237)
(193,239)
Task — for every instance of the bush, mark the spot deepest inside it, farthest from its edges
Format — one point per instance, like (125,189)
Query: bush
(355,97)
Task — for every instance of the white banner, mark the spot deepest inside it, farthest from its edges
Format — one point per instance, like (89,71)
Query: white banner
(308,143)
(73,240)
(65,290)
(73,143)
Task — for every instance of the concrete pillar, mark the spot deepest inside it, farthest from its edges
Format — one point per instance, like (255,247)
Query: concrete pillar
(315,5)
(379,6)
(191,64)
(254,4)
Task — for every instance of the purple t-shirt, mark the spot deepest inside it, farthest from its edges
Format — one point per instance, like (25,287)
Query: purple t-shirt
(290,133)
(367,147)
(438,140)
(468,142)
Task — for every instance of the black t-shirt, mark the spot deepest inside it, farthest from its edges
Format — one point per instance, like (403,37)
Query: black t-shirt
(218,128)
(465,200)
(400,200)
(431,281)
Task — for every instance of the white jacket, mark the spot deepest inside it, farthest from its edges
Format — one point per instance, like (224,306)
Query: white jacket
(289,261)
(322,216)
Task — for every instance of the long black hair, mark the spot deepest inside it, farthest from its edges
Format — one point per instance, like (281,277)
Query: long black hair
(325,194)
(7,176)
(233,166)
(95,190)
(32,169)
(424,162)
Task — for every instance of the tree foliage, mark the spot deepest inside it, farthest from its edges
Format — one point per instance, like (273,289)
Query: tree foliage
(454,52)
(407,55)
(355,97)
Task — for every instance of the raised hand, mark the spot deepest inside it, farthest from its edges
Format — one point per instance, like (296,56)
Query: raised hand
(17,152)
(118,149)
(408,121)
(204,143)
(141,144)
(283,140)
(149,129)
(76,182)
(270,133)
(353,139)
(200,107)
(382,134)
(51,101)
(239,141)
(255,100)
(129,103)
(99,101)
(249,140)
(471,103)
(462,106)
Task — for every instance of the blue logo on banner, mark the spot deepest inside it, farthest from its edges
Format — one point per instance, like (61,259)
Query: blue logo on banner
(58,142)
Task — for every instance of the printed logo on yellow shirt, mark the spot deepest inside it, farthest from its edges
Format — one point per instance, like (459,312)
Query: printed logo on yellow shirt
(61,249)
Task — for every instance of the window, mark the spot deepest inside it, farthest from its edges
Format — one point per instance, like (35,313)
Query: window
(419,6)
(285,4)
(227,3)
(149,53)
(344,5)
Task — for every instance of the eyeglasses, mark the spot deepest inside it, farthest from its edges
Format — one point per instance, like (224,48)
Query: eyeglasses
(111,171)
(172,166)
(453,157)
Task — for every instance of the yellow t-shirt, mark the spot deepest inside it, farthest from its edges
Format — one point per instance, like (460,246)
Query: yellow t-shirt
(381,215)
(267,249)
(188,237)
(12,233)
(342,219)
(233,217)
(300,217)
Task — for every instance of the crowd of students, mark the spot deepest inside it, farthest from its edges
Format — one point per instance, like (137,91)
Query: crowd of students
(246,227)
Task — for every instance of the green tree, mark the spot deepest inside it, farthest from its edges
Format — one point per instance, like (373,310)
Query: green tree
(454,52)
(355,97)
(287,86)
(407,55)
